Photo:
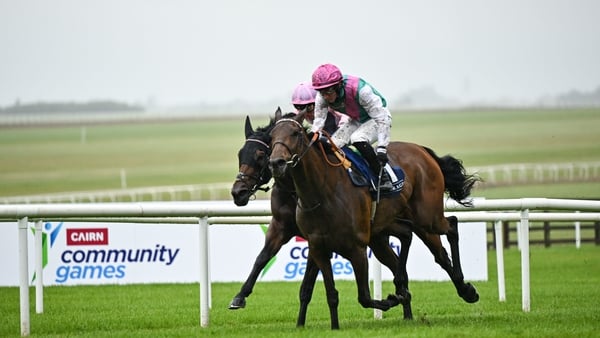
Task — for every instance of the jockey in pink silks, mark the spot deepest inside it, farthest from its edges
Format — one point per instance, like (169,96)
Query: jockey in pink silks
(303,99)
(370,119)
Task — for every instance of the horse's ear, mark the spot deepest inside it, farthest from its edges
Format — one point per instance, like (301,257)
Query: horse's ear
(300,117)
(278,114)
(248,127)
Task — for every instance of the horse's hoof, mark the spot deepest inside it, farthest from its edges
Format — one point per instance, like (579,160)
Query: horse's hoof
(469,294)
(237,303)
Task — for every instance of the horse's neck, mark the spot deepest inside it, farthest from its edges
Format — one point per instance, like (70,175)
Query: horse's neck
(285,183)
(314,176)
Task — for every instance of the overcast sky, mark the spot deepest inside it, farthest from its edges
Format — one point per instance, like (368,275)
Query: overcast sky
(186,52)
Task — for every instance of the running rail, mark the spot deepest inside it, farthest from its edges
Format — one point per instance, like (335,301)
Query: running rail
(225,212)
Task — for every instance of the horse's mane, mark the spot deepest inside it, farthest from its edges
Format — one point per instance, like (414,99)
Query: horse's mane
(265,130)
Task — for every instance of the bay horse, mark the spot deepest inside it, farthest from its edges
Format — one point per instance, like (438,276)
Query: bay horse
(253,174)
(335,216)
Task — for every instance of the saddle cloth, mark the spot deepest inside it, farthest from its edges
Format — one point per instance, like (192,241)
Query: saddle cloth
(361,175)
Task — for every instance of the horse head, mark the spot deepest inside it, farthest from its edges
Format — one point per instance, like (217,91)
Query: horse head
(289,142)
(253,159)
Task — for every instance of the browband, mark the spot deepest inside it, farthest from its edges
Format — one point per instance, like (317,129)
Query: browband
(258,141)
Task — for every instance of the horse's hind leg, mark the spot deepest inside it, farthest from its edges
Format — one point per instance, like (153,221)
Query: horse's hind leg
(277,235)
(434,244)
(465,290)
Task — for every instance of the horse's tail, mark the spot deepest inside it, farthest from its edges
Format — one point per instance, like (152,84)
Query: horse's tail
(457,183)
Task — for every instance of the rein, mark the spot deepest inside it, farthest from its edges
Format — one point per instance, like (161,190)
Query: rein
(293,162)
(338,152)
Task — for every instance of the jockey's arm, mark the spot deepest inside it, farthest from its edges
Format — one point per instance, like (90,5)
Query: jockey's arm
(321,109)
(374,106)
(340,118)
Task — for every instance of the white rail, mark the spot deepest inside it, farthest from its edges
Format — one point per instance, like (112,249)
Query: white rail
(502,174)
(190,192)
(206,213)
(508,174)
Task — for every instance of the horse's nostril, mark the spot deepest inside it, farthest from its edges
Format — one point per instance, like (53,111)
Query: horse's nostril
(277,163)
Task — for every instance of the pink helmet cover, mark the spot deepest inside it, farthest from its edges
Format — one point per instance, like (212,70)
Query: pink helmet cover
(304,93)
(326,75)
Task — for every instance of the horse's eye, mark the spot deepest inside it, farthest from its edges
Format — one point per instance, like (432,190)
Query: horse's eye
(260,156)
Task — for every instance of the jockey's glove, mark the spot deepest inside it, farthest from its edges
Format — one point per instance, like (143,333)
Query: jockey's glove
(321,138)
(382,155)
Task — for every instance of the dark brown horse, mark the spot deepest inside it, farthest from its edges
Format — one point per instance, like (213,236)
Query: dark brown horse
(334,216)
(253,175)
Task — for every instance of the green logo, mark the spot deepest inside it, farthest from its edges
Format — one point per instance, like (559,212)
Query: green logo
(272,260)
(47,231)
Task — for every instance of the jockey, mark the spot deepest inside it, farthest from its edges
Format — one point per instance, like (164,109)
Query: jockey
(370,120)
(303,100)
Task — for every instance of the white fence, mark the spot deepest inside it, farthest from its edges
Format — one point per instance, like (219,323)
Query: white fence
(189,192)
(206,213)
(503,174)
(507,174)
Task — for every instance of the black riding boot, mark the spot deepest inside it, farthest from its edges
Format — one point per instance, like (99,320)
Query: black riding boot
(366,150)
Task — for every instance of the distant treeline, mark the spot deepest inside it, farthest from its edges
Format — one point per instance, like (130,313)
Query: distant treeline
(70,107)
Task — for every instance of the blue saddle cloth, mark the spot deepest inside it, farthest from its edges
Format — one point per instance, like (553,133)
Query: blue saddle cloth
(361,175)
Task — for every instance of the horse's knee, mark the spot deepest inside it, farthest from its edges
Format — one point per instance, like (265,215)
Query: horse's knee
(305,296)
(333,299)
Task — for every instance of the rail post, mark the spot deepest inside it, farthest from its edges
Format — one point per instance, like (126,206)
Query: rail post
(524,245)
(547,241)
(39,267)
(500,261)
(204,278)
(377,293)
(24,277)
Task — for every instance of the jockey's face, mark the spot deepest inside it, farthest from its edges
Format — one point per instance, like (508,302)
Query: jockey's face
(307,109)
(310,112)
(329,94)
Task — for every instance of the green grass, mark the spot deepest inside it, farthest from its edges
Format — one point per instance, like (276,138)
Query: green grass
(39,160)
(564,303)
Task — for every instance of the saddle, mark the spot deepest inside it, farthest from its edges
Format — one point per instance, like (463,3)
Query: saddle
(361,174)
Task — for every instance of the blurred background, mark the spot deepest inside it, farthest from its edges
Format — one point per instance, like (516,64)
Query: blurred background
(237,55)
(110,95)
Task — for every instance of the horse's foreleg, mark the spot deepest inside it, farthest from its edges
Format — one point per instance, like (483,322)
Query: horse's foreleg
(306,289)
(324,264)
(360,265)
(275,238)
(465,290)
(397,265)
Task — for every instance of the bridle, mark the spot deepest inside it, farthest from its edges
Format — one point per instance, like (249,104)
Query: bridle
(263,177)
(295,159)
